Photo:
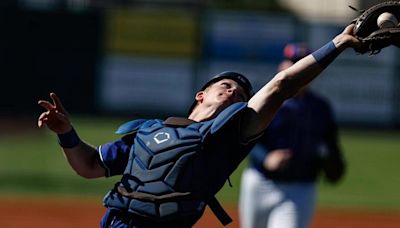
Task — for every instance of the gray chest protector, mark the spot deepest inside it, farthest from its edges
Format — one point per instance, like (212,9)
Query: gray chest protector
(169,174)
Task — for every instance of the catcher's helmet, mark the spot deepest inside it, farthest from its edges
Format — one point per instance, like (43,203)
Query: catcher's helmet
(237,77)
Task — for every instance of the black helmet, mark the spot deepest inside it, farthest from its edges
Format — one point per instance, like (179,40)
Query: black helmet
(237,77)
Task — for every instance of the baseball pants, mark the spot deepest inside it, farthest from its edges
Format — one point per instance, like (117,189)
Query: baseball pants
(266,204)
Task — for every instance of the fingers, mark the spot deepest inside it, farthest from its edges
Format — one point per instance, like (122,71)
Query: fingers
(42,119)
(57,102)
(47,105)
(55,118)
(57,105)
(349,29)
(346,38)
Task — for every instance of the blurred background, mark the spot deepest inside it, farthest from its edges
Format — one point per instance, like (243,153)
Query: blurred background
(115,60)
(146,57)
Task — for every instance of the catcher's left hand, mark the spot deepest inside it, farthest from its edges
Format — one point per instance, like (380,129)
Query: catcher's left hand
(373,38)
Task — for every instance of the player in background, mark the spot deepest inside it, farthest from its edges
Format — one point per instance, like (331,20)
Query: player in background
(278,189)
(197,153)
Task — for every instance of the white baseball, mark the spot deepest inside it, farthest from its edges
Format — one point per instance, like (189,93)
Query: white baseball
(387,20)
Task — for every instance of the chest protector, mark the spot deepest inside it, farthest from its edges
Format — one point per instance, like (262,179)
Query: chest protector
(167,175)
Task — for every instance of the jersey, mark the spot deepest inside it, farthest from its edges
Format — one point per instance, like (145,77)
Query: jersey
(173,170)
(307,127)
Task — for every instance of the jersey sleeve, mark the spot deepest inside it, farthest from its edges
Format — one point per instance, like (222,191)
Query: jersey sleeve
(114,157)
(228,139)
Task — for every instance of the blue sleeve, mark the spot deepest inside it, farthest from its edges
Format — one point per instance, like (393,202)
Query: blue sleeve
(114,156)
(258,154)
(275,137)
(279,131)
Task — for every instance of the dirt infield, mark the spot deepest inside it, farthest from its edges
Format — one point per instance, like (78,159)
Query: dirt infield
(67,214)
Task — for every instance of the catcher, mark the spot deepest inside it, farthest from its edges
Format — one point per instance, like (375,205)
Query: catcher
(171,169)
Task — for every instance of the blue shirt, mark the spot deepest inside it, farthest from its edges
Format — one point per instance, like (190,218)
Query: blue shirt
(305,125)
(114,156)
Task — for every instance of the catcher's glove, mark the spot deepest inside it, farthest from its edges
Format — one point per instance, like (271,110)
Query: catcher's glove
(373,38)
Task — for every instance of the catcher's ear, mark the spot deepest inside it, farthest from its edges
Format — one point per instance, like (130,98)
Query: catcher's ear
(199,96)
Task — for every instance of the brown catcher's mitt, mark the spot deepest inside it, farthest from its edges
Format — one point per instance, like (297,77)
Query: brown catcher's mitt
(372,37)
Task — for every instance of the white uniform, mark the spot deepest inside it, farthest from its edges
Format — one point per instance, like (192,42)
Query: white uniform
(265,203)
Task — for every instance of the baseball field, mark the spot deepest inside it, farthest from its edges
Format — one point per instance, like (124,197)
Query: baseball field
(38,189)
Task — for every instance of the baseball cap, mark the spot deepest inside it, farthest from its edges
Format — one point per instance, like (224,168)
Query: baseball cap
(296,51)
(237,77)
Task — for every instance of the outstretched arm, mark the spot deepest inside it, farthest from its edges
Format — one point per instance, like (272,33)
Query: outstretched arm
(265,103)
(82,157)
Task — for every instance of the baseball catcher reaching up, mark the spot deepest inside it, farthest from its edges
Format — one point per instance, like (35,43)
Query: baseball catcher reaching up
(171,169)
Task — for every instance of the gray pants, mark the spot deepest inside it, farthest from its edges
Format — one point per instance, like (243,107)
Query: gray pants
(267,204)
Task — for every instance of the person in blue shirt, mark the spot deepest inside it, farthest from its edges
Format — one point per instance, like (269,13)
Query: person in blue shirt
(278,189)
(171,169)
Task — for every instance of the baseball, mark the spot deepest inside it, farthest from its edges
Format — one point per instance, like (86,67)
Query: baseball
(387,20)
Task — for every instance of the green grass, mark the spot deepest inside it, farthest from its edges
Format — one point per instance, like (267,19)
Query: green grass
(372,179)
(32,164)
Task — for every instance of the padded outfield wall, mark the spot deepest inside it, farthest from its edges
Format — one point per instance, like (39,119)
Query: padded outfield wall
(362,89)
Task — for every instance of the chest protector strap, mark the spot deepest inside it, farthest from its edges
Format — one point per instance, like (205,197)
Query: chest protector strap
(154,198)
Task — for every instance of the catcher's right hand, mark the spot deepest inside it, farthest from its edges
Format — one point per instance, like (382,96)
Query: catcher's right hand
(56,117)
(373,38)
